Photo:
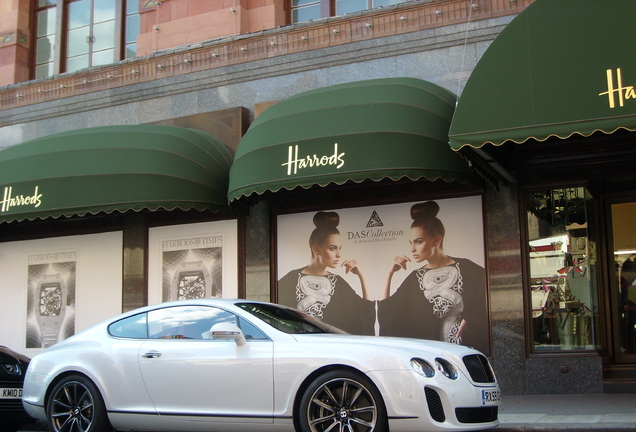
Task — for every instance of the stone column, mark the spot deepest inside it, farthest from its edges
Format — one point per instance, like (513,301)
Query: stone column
(14,41)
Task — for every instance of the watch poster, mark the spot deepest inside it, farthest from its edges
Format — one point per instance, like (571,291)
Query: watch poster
(193,261)
(192,267)
(51,298)
(414,269)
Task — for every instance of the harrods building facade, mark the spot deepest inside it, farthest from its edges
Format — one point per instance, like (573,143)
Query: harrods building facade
(158,150)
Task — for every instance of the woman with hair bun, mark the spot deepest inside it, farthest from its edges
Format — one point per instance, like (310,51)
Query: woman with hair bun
(316,291)
(444,299)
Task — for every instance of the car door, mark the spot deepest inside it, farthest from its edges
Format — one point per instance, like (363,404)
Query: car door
(188,374)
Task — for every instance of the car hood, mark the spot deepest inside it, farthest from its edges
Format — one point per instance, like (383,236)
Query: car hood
(413,346)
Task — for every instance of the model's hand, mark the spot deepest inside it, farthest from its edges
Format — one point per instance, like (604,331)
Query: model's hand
(399,262)
(462,327)
(351,265)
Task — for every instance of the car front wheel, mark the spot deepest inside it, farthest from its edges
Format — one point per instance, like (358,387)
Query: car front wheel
(75,405)
(342,401)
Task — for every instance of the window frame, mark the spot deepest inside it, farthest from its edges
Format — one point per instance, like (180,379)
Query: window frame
(599,342)
(328,9)
(60,57)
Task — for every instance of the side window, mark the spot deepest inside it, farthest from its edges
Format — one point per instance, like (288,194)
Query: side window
(251,332)
(186,322)
(133,327)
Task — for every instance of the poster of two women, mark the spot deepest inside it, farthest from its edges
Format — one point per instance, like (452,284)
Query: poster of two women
(412,269)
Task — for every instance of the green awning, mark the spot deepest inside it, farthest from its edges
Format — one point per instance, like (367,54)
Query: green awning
(369,130)
(559,68)
(116,168)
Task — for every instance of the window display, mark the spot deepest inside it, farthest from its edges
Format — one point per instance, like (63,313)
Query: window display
(562,269)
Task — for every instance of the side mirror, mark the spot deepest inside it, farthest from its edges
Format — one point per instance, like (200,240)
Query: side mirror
(228,331)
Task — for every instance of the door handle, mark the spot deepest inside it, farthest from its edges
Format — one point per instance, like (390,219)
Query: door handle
(151,354)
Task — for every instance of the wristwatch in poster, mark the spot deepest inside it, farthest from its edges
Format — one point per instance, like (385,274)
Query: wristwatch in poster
(191,281)
(51,307)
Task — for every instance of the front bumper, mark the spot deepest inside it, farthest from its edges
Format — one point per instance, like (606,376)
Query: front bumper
(415,403)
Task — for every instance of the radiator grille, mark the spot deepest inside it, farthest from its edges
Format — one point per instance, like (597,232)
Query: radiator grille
(479,368)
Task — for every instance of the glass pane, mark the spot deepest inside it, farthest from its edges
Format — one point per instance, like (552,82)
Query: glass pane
(624,235)
(186,322)
(79,14)
(45,49)
(384,3)
(135,327)
(103,57)
(295,3)
(349,6)
(46,3)
(306,13)
(132,7)
(104,35)
(77,63)
(46,22)
(132,28)
(44,70)
(103,11)
(563,295)
(77,42)
(131,51)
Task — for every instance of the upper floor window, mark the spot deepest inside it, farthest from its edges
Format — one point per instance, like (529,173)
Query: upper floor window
(307,10)
(76,34)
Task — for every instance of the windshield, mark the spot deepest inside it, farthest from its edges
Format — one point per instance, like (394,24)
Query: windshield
(288,320)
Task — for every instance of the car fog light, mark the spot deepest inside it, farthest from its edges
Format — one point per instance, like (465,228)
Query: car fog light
(422,367)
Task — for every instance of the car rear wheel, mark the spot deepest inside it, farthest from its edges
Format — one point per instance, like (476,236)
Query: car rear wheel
(75,405)
(342,401)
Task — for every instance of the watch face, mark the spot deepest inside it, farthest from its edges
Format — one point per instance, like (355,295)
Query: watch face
(191,285)
(50,299)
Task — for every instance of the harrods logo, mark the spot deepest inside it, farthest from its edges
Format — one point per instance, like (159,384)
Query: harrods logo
(616,92)
(9,201)
(296,162)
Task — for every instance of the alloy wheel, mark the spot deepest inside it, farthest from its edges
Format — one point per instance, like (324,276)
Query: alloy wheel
(342,405)
(72,408)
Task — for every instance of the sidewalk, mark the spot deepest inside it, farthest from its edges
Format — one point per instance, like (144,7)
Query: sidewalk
(577,412)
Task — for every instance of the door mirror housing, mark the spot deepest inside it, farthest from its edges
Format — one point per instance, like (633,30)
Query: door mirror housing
(228,331)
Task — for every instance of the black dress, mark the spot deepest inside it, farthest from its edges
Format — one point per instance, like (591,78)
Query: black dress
(328,298)
(431,304)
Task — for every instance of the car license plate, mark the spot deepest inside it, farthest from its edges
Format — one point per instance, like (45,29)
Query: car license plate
(10,393)
(490,397)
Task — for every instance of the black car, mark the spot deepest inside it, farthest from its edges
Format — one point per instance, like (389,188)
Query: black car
(13,366)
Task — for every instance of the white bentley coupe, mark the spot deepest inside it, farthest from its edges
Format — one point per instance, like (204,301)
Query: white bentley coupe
(240,365)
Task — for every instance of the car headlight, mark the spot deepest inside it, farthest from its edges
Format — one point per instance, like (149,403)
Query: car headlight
(446,368)
(422,367)
(12,368)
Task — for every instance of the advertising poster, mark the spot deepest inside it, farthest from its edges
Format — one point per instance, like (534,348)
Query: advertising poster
(193,261)
(51,298)
(192,267)
(412,269)
(53,288)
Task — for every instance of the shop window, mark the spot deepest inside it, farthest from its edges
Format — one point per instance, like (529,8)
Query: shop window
(76,34)
(562,270)
(308,10)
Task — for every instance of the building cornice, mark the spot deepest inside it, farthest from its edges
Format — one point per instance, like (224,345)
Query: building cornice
(272,44)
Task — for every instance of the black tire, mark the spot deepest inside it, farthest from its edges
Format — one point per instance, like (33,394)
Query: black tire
(75,405)
(342,400)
